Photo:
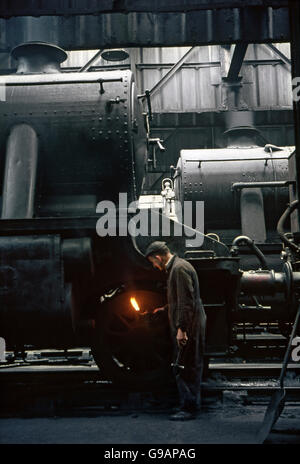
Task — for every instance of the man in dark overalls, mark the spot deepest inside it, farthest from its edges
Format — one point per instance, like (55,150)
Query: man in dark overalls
(187,320)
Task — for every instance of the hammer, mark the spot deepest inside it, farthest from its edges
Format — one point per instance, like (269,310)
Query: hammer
(176,366)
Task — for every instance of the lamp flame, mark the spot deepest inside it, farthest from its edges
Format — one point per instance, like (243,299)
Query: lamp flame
(134,303)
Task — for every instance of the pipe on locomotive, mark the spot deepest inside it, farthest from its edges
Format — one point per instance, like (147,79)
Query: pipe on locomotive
(38,58)
(250,243)
(280,225)
(21,160)
(20,173)
(240,129)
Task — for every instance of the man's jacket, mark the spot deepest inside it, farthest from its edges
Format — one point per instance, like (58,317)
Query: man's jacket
(185,308)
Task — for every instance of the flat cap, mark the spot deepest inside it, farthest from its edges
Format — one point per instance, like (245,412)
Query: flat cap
(156,247)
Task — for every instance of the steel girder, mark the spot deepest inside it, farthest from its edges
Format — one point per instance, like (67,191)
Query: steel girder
(250,24)
(91,7)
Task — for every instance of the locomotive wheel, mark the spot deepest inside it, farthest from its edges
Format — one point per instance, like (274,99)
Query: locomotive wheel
(133,348)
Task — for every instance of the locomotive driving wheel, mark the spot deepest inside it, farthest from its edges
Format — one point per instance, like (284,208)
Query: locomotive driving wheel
(133,347)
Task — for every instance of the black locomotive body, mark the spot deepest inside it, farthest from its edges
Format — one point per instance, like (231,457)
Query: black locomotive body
(69,141)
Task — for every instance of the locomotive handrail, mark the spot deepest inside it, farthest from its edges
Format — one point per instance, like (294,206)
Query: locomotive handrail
(271,184)
(216,159)
(70,81)
(22,83)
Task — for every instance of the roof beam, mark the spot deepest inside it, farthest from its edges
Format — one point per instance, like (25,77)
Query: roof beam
(281,55)
(203,27)
(92,61)
(237,61)
(171,72)
(10,8)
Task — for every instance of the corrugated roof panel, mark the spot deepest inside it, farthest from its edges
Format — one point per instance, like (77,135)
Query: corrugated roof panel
(150,78)
(265,92)
(265,52)
(206,54)
(258,52)
(189,89)
(172,54)
(285,48)
(250,89)
(284,87)
(171,93)
(78,58)
(214,52)
(216,87)
(207,96)
(150,55)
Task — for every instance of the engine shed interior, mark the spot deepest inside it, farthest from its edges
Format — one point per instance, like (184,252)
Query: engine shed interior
(106,106)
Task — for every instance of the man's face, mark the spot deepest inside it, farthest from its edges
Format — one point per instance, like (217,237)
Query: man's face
(157,262)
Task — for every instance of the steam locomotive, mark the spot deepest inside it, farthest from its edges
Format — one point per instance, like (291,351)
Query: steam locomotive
(72,141)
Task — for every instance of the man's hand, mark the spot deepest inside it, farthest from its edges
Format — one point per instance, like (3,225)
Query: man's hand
(181,338)
(157,310)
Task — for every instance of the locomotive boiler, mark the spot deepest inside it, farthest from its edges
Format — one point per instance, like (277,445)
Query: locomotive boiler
(70,142)
(246,187)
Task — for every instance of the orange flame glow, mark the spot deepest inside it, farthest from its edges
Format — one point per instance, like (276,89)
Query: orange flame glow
(134,304)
